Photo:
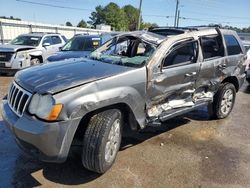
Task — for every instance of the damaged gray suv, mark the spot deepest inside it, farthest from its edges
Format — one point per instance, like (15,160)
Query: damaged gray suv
(135,80)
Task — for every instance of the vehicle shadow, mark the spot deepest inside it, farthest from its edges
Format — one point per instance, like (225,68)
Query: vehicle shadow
(72,172)
(246,89)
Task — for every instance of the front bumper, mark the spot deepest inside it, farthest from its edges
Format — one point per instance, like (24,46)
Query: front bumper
(47,141)
(8,70)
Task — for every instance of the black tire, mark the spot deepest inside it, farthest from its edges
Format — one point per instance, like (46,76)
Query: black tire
(218,111)
(96,138)
(35,61)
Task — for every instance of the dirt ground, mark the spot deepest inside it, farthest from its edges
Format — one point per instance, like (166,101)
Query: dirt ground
(188,151)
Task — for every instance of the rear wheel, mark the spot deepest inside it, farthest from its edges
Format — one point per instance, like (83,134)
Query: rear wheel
(224,101)
(102,140)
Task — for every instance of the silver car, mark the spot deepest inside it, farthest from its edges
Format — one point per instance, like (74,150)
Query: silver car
(28,49)
(133,81)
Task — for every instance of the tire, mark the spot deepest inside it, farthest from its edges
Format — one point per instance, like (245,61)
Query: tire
(35,61)
(224,101)
(97,154)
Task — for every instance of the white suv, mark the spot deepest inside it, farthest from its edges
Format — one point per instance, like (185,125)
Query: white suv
(28,49)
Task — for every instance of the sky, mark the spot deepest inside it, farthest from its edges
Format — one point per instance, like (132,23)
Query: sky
(192,12)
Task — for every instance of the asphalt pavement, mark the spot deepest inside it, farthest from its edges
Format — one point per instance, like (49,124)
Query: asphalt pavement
(187,151)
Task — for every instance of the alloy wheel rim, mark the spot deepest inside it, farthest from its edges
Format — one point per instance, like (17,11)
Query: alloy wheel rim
(112,144)
(227,102)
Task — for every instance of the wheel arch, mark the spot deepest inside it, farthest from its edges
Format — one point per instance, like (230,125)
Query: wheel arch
(233,80)
(37,56)
(130,122)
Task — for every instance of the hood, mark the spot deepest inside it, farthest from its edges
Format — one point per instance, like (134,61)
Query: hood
(14,48)
(68,55)
(55,77)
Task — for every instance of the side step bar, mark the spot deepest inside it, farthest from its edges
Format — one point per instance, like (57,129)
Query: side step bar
(156,121)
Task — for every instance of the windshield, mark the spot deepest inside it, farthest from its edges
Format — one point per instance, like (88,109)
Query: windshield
(82,44)
(26,40)
(126,51)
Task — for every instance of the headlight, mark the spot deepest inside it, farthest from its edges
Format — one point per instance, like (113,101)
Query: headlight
(21,55)
(44,107)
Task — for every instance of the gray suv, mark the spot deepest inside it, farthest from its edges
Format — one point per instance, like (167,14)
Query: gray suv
(28,49)
(135,80)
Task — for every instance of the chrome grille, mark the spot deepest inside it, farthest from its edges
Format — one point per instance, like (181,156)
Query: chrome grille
(6,56)
(18,99)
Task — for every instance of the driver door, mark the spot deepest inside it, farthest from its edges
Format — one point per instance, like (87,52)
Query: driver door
(173,86)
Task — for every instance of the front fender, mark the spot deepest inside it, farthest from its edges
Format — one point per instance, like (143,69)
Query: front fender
(97,100)
(127,88)
(35,52)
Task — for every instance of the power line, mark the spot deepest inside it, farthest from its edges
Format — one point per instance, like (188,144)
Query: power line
(55,6)
(218,15)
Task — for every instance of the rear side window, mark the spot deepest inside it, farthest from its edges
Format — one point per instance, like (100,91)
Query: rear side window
(212,46)
(56,40)
(233,47)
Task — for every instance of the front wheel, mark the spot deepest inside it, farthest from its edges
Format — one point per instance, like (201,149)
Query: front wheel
(224,101)
(35,61)
(102,140)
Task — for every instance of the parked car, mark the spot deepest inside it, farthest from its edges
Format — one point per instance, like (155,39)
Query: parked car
(28,49)
(247,47)
(133,81)
(80,46)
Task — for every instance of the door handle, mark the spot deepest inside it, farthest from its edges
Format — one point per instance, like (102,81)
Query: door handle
(223,66)
(191,74)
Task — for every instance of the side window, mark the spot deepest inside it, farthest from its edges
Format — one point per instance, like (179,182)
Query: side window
(183,53)
(212,46)
(233,46)
(119,48)
(47,40)
(56,40)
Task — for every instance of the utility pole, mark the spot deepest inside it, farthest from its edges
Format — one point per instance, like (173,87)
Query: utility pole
(176,11)
(178,18)
(139,18)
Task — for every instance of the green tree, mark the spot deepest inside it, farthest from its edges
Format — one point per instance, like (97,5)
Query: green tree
(68,24)
(116,17)
(97,17)
(147,25)
(82,23)
(112,15)
(132,15)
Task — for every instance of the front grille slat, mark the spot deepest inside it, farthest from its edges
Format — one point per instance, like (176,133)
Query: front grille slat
(19,104)
(10,93)
(18,99)
(14,96)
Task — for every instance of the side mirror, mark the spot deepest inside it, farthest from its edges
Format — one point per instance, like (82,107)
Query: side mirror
(60,48)
(46,44)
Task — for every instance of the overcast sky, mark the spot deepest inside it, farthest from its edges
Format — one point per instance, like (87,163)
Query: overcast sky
(193,12)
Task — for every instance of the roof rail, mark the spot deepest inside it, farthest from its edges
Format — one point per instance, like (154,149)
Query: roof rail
(43,33)
(190,28)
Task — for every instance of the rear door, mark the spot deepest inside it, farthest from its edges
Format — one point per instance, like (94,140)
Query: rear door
(213,63)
